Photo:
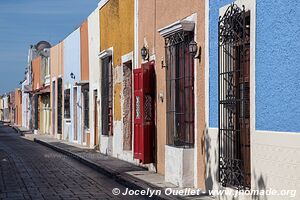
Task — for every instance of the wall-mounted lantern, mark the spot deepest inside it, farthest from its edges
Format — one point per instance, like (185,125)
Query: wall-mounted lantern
(193,50)
(145,53)
(72,75)
(193,47)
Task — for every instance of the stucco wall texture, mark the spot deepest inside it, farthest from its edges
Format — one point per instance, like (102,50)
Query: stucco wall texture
(84,51)
(276,72)
(154,15)
(277,66)
(117,16)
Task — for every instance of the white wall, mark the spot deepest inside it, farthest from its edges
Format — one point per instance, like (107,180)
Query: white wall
(94,68)
(25,106)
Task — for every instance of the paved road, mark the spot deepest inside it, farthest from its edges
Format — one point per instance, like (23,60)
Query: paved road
(31,171)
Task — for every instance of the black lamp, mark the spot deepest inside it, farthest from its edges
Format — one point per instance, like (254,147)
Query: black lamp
(144,53)
(72,75)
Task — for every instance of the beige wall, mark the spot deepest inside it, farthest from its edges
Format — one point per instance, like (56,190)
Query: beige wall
(56,61)
(154,15)
(56,70)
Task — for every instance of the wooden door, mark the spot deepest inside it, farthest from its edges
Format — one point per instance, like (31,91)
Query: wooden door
(144,127)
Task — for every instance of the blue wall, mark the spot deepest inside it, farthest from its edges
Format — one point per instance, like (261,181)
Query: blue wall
(72,57)
(72,65)
(277,65)
(213,59)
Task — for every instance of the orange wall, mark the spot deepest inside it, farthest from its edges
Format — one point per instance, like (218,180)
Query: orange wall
(18,104)
(154,15)
(36,67)
(84,51)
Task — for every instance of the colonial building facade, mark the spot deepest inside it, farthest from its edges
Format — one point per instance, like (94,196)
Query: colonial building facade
(205,93)
(250,135)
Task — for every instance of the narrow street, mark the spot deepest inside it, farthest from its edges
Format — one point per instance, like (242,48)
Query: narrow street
(31,171)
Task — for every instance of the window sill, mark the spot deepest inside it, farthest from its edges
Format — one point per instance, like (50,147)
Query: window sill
(181,146)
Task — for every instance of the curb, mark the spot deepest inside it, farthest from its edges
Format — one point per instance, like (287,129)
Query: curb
(123,179)
(15,128)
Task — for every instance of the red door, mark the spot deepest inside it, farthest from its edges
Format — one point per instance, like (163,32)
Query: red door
(144,98)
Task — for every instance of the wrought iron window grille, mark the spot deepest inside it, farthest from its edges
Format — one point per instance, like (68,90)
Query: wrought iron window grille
(59,107)
(180,90)
(67,108)
(107,96)
(234,98)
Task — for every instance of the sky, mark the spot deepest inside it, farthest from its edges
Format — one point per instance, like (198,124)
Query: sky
(26,22)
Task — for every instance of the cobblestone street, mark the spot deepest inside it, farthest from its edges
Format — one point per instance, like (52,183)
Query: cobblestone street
(32,171)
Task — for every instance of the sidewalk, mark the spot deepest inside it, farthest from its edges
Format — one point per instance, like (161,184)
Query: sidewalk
(21,130)
(128,174)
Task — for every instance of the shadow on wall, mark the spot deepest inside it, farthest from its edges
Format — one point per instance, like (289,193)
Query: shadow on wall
(211,152)
(206,142)
(261,185)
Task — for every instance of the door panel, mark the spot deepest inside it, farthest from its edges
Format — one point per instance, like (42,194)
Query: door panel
(144,116)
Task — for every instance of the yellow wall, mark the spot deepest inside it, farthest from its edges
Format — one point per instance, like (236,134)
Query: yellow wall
(117,31)
(117,28)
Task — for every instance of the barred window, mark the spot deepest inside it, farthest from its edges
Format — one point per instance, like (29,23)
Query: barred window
(86,108)
(180,90)
(59,105)
(107,96)
(67,104)
(234,98)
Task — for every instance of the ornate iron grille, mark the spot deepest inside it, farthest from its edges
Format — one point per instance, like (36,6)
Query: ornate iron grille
(234,98)
(148,107)
(107,96)
(180,90)
(137,107)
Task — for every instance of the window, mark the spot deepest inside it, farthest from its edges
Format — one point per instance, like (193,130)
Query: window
(107,96)
(59,105)
(234,98)
(67,104)
(180,90)
(86,108)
